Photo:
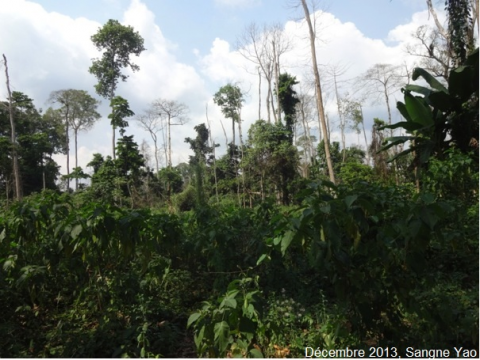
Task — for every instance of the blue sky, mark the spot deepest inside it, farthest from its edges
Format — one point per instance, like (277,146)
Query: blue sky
(191,53)
(196,23)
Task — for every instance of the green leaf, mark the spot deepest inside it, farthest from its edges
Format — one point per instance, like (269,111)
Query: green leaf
(431,80)
(256,353)
(194,317)
(262,258)
(221,334)
(198,337)
(350,199)
(403,110)
(76,231)
(419,89)
(392,141)
(286,240)
(410,126)
(229,302)
(418,110)
(325,208)
(277,240)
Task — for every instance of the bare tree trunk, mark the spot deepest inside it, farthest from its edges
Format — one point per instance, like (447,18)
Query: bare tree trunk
(274,112)
(113,142)
(259,94)
(241,153)
(224,133)
(321,113)
(76,159)
(16,169)
(277,76)
(169,142)
(340,116)
(165,145)
(67,140)
(154,136)
(440,28)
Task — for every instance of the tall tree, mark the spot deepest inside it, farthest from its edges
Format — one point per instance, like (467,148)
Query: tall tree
(83,116)
(353,112)
(381,81)
(79,112)
(431,47)
(305,112)
(264,48)
(288,101)
(318,92)
(13,134)
(334,72)
(202,157)
(151,121)
(171,111)
(38,138)
(118,42)
(230,99)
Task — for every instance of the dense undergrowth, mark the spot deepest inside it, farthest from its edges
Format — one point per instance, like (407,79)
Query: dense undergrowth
(361,266)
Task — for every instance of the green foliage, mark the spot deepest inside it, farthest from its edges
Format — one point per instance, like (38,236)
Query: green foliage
(230,327)
(230,99)
(120,111)
(87,276)
(202,157)
(288,100)
(440,117)
(377,246)
(39,137)
(455,176)
(118,42)
(271,159)
(171,180)
(460,28)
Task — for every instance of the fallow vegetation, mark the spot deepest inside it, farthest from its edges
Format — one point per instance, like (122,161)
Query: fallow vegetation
(274,246)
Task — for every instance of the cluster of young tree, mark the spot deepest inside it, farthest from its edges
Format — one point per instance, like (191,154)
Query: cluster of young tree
(280,242)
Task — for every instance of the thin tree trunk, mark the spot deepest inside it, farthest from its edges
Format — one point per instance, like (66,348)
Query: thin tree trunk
(277,76)
(307,153)
(259,94)
(241,153)
(269,92)
(154,137)
(13,138)
(169,142)
(274,112)
(340,116)
(321,113)
(43,174)
(76,158)
(67,139)
(113,141)
(224,133)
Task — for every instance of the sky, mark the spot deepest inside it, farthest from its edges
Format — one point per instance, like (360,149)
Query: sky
(191,52)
